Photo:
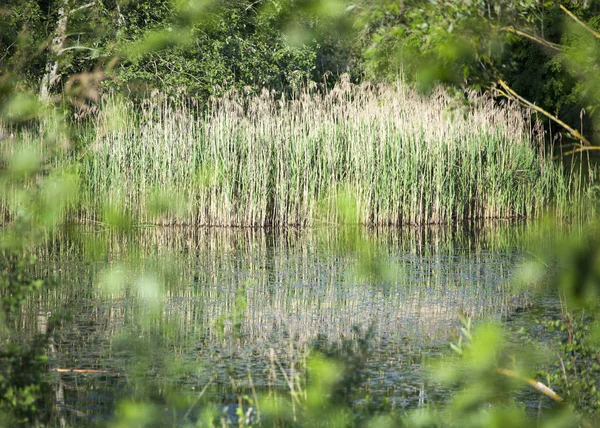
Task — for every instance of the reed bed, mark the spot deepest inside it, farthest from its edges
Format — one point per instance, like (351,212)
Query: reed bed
(257,160)
(383,153)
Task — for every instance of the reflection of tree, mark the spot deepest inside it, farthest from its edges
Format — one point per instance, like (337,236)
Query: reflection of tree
(57,385)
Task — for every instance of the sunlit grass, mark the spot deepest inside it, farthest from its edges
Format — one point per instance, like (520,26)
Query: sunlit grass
(256,160)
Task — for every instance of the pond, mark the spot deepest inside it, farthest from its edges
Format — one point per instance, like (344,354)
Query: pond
(222,313)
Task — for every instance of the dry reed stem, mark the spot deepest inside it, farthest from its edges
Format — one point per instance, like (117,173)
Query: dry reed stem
(394,156)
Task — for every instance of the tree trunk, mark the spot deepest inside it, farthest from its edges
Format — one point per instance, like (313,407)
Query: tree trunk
(52,73)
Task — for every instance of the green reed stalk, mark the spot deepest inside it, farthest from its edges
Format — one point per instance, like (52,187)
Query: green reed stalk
(256,160)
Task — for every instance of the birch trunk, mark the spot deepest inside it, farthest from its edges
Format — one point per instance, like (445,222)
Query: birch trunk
(52,71)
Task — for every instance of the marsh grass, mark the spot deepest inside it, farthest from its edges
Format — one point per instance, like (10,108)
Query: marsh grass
(255,160)
(384,153)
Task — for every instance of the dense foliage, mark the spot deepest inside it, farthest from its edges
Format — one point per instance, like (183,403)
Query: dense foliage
(546,51)
(57,53)
(546,55)
(202,49)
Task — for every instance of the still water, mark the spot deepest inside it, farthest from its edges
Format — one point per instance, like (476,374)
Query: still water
(226,313)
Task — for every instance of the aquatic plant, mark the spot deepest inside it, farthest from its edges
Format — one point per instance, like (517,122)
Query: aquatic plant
(257,160)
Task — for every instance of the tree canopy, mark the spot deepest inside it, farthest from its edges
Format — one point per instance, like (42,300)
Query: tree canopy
(548,53)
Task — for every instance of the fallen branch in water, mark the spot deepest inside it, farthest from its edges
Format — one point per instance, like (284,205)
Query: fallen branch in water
(59,370)
(537,385)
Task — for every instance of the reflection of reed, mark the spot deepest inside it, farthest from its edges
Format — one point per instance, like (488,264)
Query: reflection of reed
(297,288)
(298,285)
(83,241)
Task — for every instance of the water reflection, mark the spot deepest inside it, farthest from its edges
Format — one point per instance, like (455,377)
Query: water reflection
(237,308)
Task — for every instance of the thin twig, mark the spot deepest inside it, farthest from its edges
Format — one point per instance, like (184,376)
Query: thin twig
(187,413)
(288,381)
(544,263)
(254,396)
(578,150)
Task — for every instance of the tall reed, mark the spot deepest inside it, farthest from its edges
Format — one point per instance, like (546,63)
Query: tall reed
(256,160)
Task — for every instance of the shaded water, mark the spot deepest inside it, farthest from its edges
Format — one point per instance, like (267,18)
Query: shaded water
(159,310)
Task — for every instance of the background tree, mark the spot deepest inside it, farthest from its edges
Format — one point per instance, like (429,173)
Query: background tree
(201,49)
(539,49)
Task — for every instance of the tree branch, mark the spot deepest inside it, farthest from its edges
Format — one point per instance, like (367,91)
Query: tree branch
(580,22)
(513,95)
(536,39)
(580,148)
(85,6)
(77,48)
(537,385)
